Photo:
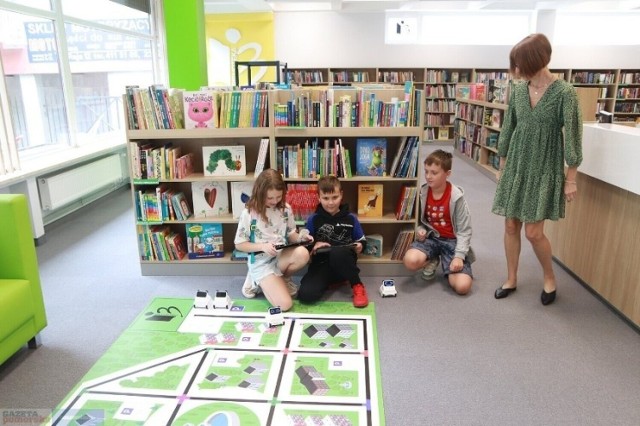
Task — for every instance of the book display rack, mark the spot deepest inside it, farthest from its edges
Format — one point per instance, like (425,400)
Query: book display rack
(311,131)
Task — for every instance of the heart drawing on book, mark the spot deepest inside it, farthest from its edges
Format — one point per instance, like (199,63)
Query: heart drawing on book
(210,196)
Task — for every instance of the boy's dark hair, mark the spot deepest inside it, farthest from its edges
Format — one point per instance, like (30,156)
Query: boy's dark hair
(440,158)
(329,184)
(530,55)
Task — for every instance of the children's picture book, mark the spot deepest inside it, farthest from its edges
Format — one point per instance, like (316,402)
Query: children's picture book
(374,245)
(204,240)
(224,160)
(210,199)
(370,198)
(371,157)
(240,194)
(199,109)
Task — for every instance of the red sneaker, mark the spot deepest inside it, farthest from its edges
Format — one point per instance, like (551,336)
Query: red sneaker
(360,299)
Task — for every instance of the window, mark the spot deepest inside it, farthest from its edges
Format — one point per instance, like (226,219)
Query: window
(65,69)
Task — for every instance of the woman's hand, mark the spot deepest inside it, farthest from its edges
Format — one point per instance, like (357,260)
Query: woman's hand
(570,190)
(421,234)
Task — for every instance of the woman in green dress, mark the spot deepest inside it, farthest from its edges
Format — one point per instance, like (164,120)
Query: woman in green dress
(542,131)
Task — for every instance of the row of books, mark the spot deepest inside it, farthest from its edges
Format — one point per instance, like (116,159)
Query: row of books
(439,133)
(469,112)
(405,163)
(163,162)
(439,119)
(446,76)
(440,91)
(204,240)
(161,242)
(493,117)
(206,200)
(441,105)
(589,77)
(314,159)
(149,162)
(303,111)
(494,91)
(155,107)
(161,203)
(403,242)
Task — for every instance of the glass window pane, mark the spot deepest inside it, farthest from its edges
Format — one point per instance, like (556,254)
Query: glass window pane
(29,56)
(107,12)
(102,64)
(40,4)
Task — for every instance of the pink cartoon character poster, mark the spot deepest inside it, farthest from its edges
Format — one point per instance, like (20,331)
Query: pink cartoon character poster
(200,109)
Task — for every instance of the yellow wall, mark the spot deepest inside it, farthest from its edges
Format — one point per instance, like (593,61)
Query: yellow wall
(248,37)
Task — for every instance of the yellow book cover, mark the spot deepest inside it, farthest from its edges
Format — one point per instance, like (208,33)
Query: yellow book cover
(370,200)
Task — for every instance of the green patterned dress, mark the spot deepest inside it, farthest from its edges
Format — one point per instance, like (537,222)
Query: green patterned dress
(537,143)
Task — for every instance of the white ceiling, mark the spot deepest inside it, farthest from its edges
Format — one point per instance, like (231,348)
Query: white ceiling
(249,6)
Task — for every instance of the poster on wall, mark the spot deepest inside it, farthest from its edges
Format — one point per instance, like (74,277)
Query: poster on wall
(247,39)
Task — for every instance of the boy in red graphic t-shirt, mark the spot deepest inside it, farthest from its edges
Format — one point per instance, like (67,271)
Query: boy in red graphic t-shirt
(446,234)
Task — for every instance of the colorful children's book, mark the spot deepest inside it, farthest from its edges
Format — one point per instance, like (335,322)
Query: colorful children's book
(210,198)
(224,160)
(374,245)
(200,110)
(370,198)
(204,240)
(371,157)
(240,194)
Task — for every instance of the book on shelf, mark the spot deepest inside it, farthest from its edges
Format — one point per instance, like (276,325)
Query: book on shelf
(303,199)
(498,91)
(496,118)
(184,166)
(180,206)
(240,194)
(204,240)
(443,133)
(402,243)
(200,110)
(370,199)
(371,157)
(406,202)
(210,198)
(374,245)
(405,163)
(224,160)
(177,246)
(262,156)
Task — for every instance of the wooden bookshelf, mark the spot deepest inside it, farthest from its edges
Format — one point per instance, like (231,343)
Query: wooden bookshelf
(299,139)
(195,140)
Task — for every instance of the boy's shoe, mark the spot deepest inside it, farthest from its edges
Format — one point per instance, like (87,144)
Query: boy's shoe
(360,299)
(249,288)
(429,271)
(292,288)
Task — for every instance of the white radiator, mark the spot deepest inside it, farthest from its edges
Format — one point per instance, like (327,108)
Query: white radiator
(71,185)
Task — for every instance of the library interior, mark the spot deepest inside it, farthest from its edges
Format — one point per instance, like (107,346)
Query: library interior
(132,133)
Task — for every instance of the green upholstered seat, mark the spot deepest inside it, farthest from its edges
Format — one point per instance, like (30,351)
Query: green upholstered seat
(22,314)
